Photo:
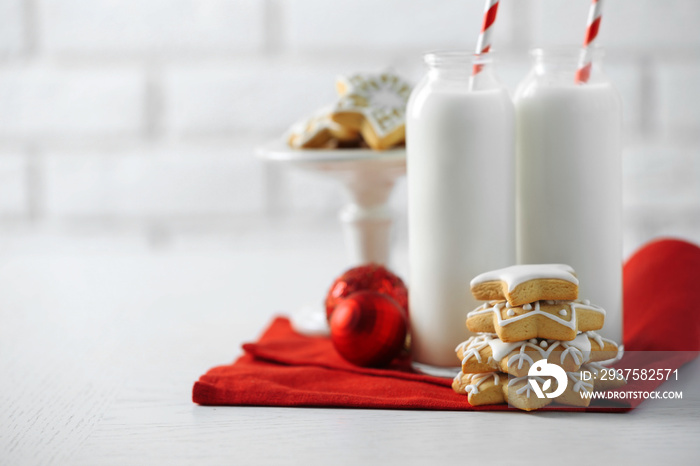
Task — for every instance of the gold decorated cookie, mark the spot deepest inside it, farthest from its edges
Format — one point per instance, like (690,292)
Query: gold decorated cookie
(522,284)
(481,389)
(374,105)
(493,388)
(553,320)
(319,131)
(486,353)
(498,388)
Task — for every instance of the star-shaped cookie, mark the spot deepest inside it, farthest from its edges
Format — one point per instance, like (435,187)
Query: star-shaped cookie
(498,388)
(374,105)
(522,284)
(486,353)
(318,131)
(553,320)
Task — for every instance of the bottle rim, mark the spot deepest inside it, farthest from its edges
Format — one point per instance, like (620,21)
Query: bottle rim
(458,58)
(567,53)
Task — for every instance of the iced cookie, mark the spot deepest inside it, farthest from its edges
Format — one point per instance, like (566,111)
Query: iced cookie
(519,393)
(494,388)
(486,353)
(522,284)
(553,320)
(319,131)
(576,391)
(374,105)
(483,389)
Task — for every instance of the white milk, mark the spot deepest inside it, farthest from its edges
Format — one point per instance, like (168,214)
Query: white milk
(569,195)
(460,149)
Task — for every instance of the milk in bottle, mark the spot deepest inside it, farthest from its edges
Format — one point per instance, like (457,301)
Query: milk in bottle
(460,158)
(569,177)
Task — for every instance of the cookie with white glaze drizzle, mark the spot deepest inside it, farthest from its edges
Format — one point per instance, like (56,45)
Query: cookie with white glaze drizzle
(553,320)
(318,131)
(481,389)
(498,388)
(374,105)
(522,284)
(495,388)
(486,353)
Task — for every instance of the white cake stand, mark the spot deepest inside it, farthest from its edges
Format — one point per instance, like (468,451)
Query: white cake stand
(368,177)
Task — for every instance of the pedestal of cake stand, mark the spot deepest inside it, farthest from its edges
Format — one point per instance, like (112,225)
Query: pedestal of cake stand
(368,177)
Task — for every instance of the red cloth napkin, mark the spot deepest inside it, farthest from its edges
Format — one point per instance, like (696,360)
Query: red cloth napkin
(285,368)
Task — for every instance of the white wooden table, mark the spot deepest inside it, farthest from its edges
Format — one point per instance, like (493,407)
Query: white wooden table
(98,354)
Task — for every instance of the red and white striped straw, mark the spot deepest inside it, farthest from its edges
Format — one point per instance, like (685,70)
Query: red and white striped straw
(484,43)
(594,15)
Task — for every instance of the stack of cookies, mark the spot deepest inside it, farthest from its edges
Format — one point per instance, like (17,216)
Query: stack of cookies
(532,318)
(370,112)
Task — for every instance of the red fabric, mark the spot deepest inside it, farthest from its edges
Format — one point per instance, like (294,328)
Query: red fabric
(287,369)
(661,289)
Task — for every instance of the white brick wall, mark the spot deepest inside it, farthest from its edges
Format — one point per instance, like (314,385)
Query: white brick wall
(315,25)
(146,112)
(13,187)
(659,175)
(678,102)
(12,33)
(43,99)
(153,26)
(634,25)
(176,181)
(243,96)
(653,25)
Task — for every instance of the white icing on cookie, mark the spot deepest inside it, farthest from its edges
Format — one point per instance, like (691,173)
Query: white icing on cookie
(380,98)
(501,349)
(579,384)
(600,341)
(578,349)
(527,387)
(473,346)
(475,380)
(304,131)
(571,323)
(518,274)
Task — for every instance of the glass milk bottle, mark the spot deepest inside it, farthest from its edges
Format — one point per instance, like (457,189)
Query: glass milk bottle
(569,176)
(460,136)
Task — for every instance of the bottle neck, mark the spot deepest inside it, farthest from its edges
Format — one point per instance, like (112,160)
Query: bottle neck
(561,64)
(474,70)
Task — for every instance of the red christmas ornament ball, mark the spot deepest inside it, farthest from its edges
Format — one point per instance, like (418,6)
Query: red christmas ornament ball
(368,329)
(373,277)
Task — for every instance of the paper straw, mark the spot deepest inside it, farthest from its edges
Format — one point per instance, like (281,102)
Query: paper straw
(483,45)
(594,16)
